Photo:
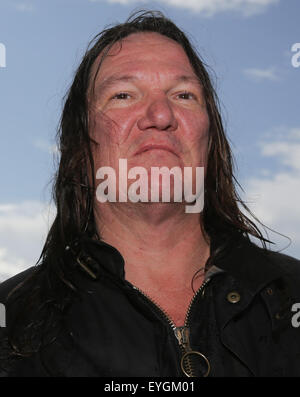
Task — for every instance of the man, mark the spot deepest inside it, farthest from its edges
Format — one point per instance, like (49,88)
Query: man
(146,288)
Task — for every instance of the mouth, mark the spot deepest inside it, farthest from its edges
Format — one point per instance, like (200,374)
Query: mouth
(149,147)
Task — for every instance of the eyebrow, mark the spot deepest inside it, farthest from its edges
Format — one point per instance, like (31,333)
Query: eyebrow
(112,80)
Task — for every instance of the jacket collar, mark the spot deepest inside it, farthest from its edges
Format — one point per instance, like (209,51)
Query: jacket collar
(96,256)
(249,264)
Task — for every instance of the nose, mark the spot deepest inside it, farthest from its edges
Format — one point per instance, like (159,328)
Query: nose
(158,115)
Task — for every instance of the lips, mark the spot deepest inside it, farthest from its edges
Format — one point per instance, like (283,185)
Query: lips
(153,146)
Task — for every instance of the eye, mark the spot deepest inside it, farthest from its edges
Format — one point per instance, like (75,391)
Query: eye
(186,95)
(121,95)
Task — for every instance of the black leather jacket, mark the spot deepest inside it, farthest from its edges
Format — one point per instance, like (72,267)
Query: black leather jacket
(239,323)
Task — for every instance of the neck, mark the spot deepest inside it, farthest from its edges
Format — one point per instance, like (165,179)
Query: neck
(162,246)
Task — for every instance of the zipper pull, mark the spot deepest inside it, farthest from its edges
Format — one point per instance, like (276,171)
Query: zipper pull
(183,336)
(191,361)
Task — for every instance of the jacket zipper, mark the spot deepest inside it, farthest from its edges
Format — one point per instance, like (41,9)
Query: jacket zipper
(182,333)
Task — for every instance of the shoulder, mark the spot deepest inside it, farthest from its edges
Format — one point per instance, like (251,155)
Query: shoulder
(271,260)
(7,286)
(287,263)
(288,266)
(277,267)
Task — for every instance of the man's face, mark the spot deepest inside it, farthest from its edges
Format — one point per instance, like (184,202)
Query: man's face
(148,106)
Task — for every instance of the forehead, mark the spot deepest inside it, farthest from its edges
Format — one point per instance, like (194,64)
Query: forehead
(144,52)
(148,44)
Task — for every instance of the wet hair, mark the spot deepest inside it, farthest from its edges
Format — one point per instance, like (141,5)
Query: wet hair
(222,219)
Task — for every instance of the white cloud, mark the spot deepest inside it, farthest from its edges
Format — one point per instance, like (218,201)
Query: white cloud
(23,229)
(287,150)
(208,7)
(10,265)
(24,7)
(261,74)
(46,147)
(274,197)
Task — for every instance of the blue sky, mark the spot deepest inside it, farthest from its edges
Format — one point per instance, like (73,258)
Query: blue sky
(248,46)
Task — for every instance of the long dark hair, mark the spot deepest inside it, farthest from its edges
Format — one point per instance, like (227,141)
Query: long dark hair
(222,218)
